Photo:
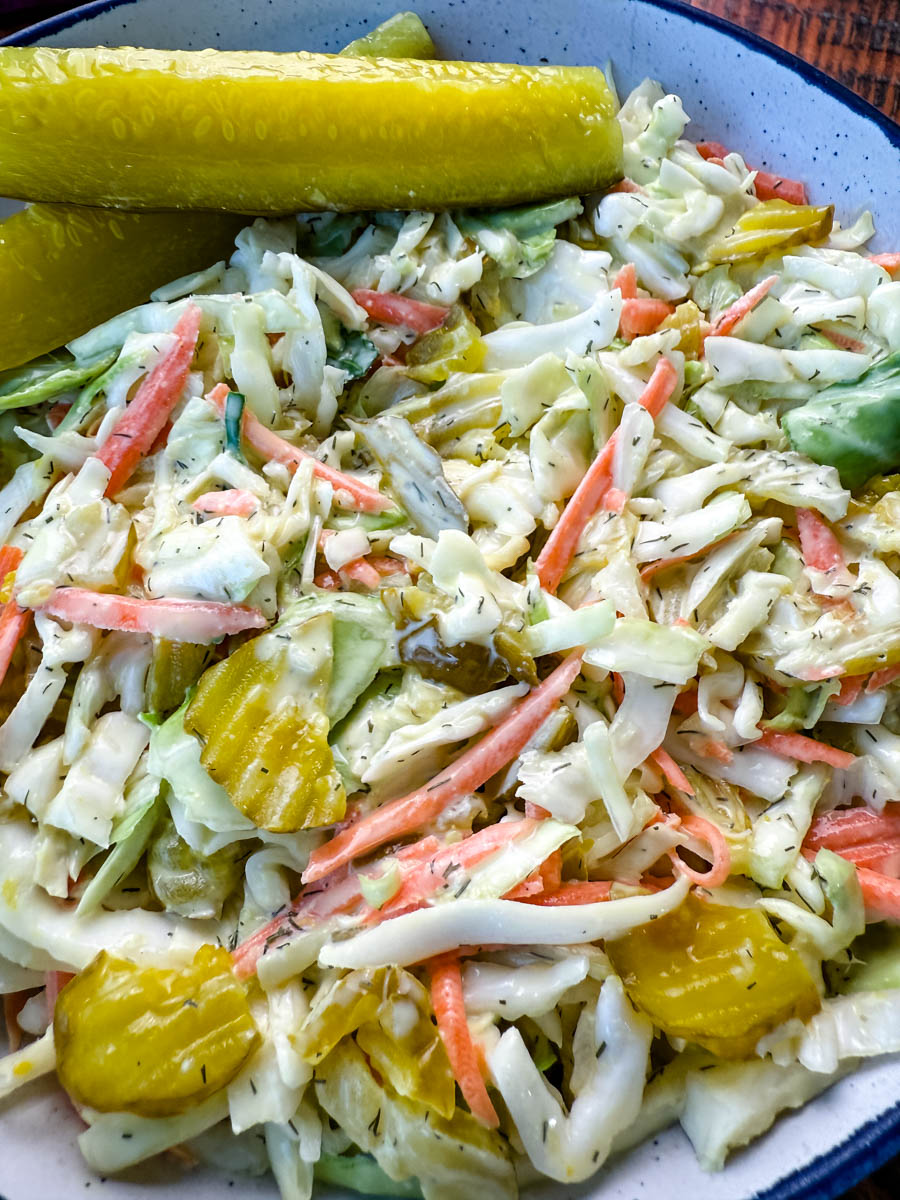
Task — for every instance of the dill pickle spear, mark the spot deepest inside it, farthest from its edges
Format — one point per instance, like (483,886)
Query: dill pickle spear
(65,269)
(401,36)
(259,132)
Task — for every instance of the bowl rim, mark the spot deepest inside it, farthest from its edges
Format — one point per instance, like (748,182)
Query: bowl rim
(874,1143)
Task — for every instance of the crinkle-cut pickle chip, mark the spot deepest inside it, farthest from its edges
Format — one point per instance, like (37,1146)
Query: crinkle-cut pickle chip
(149,1040)
(262,132)
(63,269)
(715,975)
(269,750)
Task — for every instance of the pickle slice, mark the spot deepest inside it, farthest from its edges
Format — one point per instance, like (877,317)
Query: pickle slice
(152,1041)
(265,733)
(259,132)
(715,975)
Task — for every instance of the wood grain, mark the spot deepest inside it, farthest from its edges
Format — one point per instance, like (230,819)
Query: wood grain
(854,41)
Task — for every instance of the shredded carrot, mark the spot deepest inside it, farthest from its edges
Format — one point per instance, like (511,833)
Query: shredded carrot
(706,831)
(472,769)
(686,702)
(577,892)
(640,317)
(450,1011)
(386,564)
(57,412)
(804,749)
(845,827)
(535,810)
(714,748)
(878,856)
(614,500)
(673,773)
(235,502)
(890,262)
(663,564)
(137,429)
(776,187)
(851,686)
(882,678)
(737,311)
(628,185)
(711,150)
(618,686)
(820,548)
(767,185)
(348,491)
(626,281)
(545,878)
(843,341)
(563,541)
(200,621)
(880,893)
(388,308)
(426,870)
(14,621)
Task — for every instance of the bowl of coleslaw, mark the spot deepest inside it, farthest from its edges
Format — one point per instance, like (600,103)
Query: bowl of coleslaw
(450,662)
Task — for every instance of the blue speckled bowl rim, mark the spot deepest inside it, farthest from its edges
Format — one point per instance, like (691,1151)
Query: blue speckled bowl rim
(879,1139)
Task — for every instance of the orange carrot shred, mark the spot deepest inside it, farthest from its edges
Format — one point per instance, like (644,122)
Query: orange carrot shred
(270,445)
(673,773)
(626,282)
(563,540)
(804,749)
(707,831)
(449,1009)
(136,430)
(389,308)
(737,311)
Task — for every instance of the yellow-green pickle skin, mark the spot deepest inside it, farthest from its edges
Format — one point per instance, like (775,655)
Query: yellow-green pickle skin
(256,132)
(65,269)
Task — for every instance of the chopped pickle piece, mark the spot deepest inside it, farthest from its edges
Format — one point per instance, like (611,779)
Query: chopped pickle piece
(686,319)
(469,666)
(456,346)
(279,130)
(174,667)
(264,731)
(401,36)
(772,227)
(715,975)
(389,1011)
(187,882)
(152,1041)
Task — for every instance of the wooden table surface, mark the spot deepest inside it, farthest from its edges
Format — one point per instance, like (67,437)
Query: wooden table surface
(855,41)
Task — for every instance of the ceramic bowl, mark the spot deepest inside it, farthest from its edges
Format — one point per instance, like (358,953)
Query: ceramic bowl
(783,115)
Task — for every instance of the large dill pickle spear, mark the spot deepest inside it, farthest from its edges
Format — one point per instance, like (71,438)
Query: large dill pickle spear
(65,269)
(258,132)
